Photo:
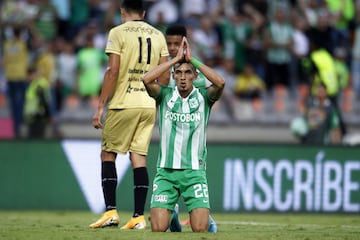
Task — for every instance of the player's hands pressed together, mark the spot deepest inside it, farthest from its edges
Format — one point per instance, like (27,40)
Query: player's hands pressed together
(149,79)
(187,51)
(182,50)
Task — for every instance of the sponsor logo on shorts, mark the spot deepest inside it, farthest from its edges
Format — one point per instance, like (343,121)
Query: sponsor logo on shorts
(160,198)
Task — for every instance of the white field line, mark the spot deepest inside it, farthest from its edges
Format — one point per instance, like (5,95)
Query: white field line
(282,224)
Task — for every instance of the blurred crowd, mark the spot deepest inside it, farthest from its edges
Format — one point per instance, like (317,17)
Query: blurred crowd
(261,47)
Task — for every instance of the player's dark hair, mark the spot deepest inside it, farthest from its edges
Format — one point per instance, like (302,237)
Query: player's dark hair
(182,62)
(135,6)
(176,30)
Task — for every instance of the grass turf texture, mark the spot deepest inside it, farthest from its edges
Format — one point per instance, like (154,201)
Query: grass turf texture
(31,225)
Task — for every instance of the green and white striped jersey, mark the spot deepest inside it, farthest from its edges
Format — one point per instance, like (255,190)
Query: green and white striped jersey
(183,123)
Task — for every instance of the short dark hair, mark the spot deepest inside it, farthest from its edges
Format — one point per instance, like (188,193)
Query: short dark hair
(133,6)
(176,30)
(182,62)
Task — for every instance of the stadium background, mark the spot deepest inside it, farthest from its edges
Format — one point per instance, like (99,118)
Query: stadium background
(43,174)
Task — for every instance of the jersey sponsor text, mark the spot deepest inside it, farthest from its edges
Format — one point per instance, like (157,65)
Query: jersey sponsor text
(183,117)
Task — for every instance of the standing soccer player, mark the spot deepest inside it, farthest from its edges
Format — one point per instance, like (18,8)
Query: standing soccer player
(184,113)
(134,48)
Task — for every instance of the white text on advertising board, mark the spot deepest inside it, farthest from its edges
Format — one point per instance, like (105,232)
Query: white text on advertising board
(323,185)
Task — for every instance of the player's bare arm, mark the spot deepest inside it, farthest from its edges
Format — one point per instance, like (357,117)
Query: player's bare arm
(218,83)
(110,78)
(165,77)
(152,86)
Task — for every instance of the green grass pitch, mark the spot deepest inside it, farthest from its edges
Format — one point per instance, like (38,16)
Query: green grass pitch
(54,225)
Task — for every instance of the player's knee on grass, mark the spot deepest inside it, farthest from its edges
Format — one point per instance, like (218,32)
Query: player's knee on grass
(199,219)
(159,219)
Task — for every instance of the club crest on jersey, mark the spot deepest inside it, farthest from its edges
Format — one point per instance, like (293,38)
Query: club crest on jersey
(193,103)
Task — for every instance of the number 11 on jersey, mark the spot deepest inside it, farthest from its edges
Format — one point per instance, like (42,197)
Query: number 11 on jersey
(148,42)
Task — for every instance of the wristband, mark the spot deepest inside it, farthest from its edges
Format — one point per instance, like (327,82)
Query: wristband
(196,63)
